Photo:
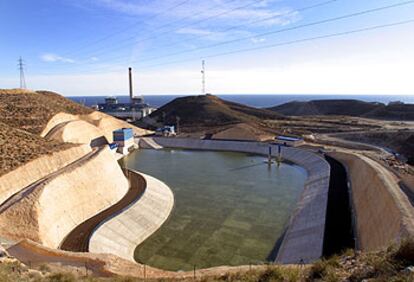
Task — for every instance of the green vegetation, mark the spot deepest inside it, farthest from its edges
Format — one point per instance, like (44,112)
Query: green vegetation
(392,265)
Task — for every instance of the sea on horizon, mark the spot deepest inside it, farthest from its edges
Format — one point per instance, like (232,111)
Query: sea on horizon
(258,100)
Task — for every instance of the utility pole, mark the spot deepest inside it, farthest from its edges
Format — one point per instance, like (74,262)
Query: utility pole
(21,69)
(203,77)
(177,122)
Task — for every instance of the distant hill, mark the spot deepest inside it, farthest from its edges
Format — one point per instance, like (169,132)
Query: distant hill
(209,111)
(350,107)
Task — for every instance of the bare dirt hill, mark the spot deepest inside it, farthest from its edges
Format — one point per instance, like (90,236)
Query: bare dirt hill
(31,111)
(401,142)
(350,107)
(23,115)
(18,147)
(209,111)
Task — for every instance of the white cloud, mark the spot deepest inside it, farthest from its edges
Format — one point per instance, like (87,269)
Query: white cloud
(219,10)
(52,58)
(195,31)
(210,34)
(334,77)
(258,40)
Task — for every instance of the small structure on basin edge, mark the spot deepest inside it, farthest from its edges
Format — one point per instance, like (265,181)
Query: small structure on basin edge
(289,141)
(124,139)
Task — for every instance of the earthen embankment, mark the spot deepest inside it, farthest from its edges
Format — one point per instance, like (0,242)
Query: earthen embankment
(28,173)
(382,212)
(58,204)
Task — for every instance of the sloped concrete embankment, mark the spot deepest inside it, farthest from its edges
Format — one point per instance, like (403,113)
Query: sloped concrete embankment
(76,131)
(382,212)
(78,239)
(121,234)
(304,237)
(58,204)
(83,128)
(23,176)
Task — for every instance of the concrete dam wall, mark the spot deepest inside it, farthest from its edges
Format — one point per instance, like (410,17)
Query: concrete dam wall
(304,237)
(382,212)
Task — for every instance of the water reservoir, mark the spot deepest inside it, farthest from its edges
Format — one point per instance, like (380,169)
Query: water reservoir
(230,208)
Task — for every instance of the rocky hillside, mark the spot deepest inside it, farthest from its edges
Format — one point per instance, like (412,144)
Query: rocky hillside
(401,142)
(347,108)
(18,147)
(23,115)
(30,111)
(209,111)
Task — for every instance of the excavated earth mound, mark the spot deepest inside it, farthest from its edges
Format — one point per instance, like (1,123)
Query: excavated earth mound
(31,111)
(18,147)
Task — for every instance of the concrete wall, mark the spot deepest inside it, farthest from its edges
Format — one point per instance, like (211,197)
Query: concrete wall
(49,212)
(23,176)
(76,131)
(304,236)
(121,234)
(383,213)
(102,123)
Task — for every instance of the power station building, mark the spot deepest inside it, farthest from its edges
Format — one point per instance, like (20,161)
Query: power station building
(134,110)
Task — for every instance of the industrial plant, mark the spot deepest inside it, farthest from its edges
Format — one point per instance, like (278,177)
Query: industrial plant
(136,109)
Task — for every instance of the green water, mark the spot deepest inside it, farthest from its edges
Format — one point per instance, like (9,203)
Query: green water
(230,208)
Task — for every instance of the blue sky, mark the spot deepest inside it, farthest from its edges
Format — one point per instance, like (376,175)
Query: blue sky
(83,47)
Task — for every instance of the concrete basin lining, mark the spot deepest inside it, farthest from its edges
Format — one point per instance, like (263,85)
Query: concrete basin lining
(121,234)
(383,214)
(303,239)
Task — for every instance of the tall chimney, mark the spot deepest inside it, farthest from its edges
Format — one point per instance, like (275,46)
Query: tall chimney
(131,92)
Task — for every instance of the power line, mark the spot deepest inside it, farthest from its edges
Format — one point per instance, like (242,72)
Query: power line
(292,42)
(121,58)
(126,28)
(369,11)
(285,43)
(126,42)
(260,20)
(22,78)
(329,20)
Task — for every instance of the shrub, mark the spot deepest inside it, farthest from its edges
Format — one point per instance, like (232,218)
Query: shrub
(324,269)
(61,277)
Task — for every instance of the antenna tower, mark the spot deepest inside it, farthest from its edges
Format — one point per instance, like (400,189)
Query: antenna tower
(22,78)
(203,77)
